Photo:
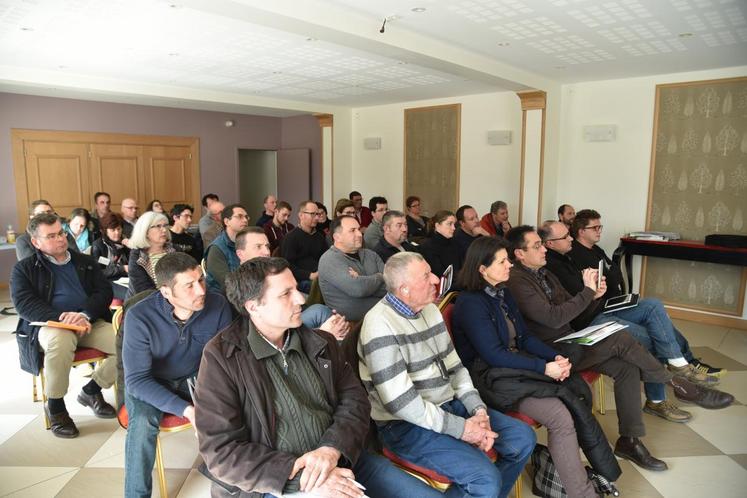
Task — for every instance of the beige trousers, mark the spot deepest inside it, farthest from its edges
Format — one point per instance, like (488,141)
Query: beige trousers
(59,347)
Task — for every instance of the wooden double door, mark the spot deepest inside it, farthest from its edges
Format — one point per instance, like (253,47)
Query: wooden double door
(68,168)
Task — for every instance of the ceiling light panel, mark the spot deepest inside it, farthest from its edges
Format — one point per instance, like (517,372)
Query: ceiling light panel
(529,28)
(482,11)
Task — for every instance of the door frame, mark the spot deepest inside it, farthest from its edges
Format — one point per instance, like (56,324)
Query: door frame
(19,136)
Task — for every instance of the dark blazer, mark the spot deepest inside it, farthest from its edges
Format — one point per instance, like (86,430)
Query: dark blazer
(569,276)
(118,257)
(31,289)
(416,231)
(235,411)
(385,250)
(441,252)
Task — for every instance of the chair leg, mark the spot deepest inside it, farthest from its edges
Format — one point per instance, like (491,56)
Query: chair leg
(517,487)
(602,394)
(159,467)
(47,423)
(34,394)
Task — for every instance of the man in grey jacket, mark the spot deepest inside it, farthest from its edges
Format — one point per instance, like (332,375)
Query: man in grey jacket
(350,277)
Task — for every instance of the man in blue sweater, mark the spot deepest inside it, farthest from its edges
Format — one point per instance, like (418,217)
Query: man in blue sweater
(164,335)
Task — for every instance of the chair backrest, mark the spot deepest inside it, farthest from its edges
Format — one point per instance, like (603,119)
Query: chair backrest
(446,307)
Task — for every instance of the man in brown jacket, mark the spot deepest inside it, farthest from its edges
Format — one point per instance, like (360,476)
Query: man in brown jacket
(548,310)
(278,410)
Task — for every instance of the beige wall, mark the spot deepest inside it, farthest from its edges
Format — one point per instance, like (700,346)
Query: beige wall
(612,177)
(487,172)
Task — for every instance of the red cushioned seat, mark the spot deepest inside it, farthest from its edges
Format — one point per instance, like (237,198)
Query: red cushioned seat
(441,481)
(88,354)
(589,376)
(169,422)
(524,418)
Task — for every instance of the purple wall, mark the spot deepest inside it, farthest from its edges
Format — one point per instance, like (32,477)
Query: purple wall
(218,145)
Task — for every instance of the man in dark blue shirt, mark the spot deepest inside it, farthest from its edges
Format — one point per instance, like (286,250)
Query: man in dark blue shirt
(164,335)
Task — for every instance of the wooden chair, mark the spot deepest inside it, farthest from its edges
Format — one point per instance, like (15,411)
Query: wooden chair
(169,422)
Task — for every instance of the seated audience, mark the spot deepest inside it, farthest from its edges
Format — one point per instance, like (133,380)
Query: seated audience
(111,254)
(469,229)
(278,409)
(344,207)
(220,256)
(102,202)
(24,247)
(155,206)
(60,285)
(164,335)
(378,207)
(77,227)
(150,242)
(422,399)
(648,322)
(417,225)
(513,370)
(496,221)
(269,203)
(547,309)
(278,227)
(350,277)
(441,250)
(394,238)
(566,213)
(129,216)
(213,227)
(322,218)
(362,213)
(304,245)
(181,239)
(251,243)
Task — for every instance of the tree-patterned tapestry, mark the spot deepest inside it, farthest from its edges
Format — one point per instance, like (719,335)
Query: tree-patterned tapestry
(699,187)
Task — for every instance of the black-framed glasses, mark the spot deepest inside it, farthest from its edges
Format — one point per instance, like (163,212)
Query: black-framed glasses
(596,228)
(567,235)
(312,213)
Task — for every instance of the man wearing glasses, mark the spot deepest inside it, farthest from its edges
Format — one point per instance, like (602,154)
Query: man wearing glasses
(221,256)
(24,248)
(129,213)
(58,285)
(181,239)
(304,245)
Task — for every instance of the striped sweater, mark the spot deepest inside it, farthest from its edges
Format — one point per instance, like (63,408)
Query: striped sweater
(399,367)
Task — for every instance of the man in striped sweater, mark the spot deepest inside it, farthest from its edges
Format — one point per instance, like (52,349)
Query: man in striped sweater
(422,399)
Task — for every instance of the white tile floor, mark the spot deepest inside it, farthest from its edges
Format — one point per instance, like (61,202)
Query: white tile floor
(707,457)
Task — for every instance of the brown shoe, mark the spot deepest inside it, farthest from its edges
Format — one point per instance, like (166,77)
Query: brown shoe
(96,402)
(631,448)
(712,399)
(668,411)
(694,375)
(61,424)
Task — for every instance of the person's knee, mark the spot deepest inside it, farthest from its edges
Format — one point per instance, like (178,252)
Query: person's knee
(559,418)
(484,481)
(55,340)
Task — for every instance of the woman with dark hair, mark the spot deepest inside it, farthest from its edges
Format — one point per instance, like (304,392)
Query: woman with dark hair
(78,228)
(513,370)
(417,225)
(441,250)
(109,252)
(155,206)
(322,219)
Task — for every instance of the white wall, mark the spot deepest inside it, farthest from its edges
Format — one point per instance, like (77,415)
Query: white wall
(487,172)
(613,177)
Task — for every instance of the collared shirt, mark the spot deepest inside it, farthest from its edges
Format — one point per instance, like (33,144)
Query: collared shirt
(52,259)
(399,306)
(541,276)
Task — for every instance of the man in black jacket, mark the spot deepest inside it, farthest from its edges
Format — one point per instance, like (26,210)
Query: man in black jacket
(59,285)
(394,238)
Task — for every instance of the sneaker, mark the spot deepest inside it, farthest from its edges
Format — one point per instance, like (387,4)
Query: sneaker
(707,369)
(668,411)
(694,376)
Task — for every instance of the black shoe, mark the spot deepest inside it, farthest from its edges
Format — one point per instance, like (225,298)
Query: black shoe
(96,402)
(712,399)
(631,448)
(61,424)
(707,369)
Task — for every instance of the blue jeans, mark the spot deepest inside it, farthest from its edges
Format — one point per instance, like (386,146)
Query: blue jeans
(383,480)
(315,315)
(140,444)
(650,324)
(470,470)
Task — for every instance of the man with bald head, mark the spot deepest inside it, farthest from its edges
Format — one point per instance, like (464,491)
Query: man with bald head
(269,203)
(213,226)
(129,214)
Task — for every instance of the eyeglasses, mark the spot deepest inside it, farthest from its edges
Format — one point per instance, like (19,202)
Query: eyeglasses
(567,234)
(596,228)
(160,226)
(54,236)
(313,213)
(536,246)
(240,216)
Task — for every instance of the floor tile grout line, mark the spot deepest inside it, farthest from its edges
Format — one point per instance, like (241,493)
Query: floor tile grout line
(42,481)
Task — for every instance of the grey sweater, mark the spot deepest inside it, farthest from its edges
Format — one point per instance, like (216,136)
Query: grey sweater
(351,296)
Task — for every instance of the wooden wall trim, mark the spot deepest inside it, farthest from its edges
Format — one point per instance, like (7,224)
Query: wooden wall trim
(324,120)
(532,99)
(694,316)
(521,164)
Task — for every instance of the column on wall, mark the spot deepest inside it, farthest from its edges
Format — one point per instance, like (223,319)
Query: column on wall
(325,125)
(533,103)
